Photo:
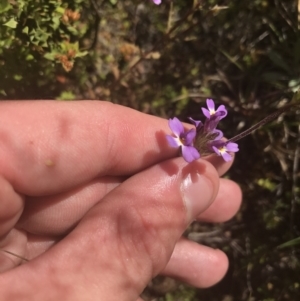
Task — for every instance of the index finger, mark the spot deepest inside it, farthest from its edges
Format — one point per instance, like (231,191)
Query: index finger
(48,146)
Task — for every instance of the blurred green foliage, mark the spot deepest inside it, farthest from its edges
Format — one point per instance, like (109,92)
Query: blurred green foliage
(166,60)
(33,32)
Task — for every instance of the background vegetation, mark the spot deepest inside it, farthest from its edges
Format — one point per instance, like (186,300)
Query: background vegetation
(166,60)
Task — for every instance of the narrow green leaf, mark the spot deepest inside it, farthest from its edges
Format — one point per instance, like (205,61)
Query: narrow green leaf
(290,243)
(81,54)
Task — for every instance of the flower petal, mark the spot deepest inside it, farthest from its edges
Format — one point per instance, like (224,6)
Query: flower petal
(211,123)
(157,2)
(227,157)
(219,134)
(232,147)
(206,112)
(174,142)
(189,153)
(210,104)
(216,150)
(221,112)
(196,123)
(189,137)
(176,126)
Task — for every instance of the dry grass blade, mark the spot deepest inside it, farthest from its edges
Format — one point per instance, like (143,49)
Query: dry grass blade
(13,254)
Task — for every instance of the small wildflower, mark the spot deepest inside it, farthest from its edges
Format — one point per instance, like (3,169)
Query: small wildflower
(218,135)
(157,2)
(210,124)
(209,113)
(221,148)
(183,140)
(197,123)
(205,138)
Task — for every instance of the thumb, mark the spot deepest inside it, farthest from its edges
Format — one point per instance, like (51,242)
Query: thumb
(124,241)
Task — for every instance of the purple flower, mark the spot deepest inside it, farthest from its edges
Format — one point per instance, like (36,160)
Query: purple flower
(183,139)
(209,113)
(221,148)
(210,124)
(197,123)
(218,134)
(157,2)
(205,138)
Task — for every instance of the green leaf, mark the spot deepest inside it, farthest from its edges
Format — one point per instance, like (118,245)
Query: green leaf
(4,6)
(274,76)
(2,92)
(12,23)
(81,54)
(29,57)
(73,30)
(55,22)
(60,10)
(290,243)
(66,95)
(267,184)
(50,56)
(232,59)
(278,60)
(18,77)
(25,30)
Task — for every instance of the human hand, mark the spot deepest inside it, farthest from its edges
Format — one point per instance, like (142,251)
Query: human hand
(91,196)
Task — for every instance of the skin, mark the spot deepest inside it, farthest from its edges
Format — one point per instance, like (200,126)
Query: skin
(92,195)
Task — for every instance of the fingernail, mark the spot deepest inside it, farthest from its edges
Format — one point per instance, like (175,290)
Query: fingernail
(197,192)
